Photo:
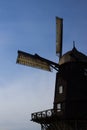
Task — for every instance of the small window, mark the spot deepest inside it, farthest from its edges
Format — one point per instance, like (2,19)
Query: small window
(59,107)
(61,89)
(85,72)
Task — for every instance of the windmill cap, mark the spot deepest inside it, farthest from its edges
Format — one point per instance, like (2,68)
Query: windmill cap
(73,56)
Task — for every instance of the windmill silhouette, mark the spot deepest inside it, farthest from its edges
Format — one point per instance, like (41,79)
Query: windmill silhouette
(70,99)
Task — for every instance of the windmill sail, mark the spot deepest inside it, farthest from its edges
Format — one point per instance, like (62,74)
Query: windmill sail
(35,61)
(59,33)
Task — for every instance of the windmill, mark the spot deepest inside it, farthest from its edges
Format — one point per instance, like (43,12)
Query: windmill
(70,106)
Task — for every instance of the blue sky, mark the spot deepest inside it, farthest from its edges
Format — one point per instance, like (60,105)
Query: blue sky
(30,26)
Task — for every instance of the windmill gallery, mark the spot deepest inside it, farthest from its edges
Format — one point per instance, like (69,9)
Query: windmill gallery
(69,110)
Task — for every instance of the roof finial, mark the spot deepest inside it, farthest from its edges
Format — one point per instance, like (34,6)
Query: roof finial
(73,44)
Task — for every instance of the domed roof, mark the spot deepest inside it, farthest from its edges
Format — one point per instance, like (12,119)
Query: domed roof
(73,56)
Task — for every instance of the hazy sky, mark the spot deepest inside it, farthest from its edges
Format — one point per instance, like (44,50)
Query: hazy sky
(30,26)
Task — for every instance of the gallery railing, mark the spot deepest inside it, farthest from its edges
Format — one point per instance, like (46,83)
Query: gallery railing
(45,114)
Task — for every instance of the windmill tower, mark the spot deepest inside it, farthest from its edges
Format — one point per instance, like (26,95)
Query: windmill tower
(69,110)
